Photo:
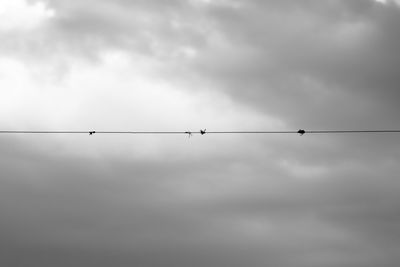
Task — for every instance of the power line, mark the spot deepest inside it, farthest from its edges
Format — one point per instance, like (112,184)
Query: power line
(201,132)
(354,131)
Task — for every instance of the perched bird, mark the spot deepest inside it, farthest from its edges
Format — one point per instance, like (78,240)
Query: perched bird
(92,132)
(203,132)
(301,131)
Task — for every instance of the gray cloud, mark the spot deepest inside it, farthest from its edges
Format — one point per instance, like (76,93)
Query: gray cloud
(60,211)
(215,201)
(262,52)
(310,56)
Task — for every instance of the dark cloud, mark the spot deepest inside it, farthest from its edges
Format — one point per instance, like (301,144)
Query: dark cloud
(214,200)
(288,58)
(297,59)
(60,210)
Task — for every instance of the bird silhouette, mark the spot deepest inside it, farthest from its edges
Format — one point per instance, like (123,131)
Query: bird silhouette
(203,132)
(301,132)
(92,132)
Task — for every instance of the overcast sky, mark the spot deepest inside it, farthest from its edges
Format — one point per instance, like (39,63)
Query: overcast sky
(212,200)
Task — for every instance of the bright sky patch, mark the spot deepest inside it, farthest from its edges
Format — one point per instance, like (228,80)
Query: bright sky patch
(21,15)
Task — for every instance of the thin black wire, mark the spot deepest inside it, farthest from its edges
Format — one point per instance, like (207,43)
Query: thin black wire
(198,132)
(354,131)
(44,132)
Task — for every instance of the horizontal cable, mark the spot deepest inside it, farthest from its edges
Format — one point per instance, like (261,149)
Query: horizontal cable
(203,132)
(354,131)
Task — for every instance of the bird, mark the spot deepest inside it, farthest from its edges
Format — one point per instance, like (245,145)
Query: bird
(92,132)
(203,132)
(301,132)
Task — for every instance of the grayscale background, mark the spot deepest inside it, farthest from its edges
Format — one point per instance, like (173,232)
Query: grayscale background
(206,201)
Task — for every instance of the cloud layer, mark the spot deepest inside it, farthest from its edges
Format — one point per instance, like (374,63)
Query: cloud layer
(209,200)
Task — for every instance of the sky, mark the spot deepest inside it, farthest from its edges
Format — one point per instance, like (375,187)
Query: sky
(209,200)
